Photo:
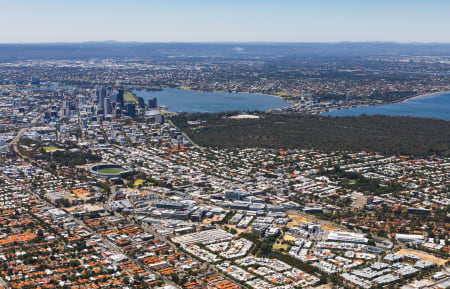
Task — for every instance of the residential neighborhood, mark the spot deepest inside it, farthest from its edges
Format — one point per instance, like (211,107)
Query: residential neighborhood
(100,192)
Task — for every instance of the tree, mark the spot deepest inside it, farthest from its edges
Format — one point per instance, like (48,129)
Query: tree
(175,278)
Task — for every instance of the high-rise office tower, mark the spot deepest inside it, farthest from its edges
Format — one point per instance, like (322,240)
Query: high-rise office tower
(117,112)
(141,102)
(120,99)
(107,106)
(101,95)
(35,81)
(131,109)
(152,103)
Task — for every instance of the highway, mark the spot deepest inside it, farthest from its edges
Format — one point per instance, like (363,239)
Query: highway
(15,141)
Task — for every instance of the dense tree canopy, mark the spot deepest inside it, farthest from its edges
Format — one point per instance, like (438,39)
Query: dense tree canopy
(379,133)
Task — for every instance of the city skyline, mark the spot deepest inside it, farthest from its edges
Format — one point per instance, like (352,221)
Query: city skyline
(233,21)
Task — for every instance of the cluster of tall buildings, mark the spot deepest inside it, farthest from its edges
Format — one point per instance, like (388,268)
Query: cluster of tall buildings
(111,101)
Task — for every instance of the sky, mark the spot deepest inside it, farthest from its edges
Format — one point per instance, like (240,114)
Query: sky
(33,21)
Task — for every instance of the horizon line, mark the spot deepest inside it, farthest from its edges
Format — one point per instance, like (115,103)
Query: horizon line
(224,42)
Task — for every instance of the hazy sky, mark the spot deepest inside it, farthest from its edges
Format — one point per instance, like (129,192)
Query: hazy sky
(224,20)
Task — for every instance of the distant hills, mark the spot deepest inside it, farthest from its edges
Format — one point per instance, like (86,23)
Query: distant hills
(113,49)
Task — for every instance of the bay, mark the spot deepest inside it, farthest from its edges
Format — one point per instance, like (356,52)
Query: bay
(429,106)
(180,100)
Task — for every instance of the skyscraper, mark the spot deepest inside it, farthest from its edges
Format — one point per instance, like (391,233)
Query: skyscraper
(35,81)
(107,106)
(101,94)
(117,112)
(152,103)
(141,102)
(131,109)
(119,98)
(113,96)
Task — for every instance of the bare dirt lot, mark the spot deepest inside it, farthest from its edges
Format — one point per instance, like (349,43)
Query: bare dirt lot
(297,220)
(424,256)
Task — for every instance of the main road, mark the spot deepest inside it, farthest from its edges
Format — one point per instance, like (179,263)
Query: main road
(15,141)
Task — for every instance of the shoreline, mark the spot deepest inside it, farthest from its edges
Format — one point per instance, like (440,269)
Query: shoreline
(223,91)
(401,100)
(289,103)
(292,103)
(425,94)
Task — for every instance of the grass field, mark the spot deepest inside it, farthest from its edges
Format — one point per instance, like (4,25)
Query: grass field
(282,94)
(277,247)
(129,97)
(50,149)
(138,182)
(110,171)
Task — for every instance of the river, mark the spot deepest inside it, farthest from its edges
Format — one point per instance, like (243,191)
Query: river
(429,106)
(180,100)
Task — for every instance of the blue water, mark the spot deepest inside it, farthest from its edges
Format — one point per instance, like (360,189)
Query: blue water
(179,100)
(431,106)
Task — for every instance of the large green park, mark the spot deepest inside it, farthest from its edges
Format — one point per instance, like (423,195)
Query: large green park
(129,97)
(111,171)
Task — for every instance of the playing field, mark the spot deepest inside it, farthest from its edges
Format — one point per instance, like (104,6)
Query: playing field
(128,97)
(278,246)
(111,171)
(50,149)
(138,182)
